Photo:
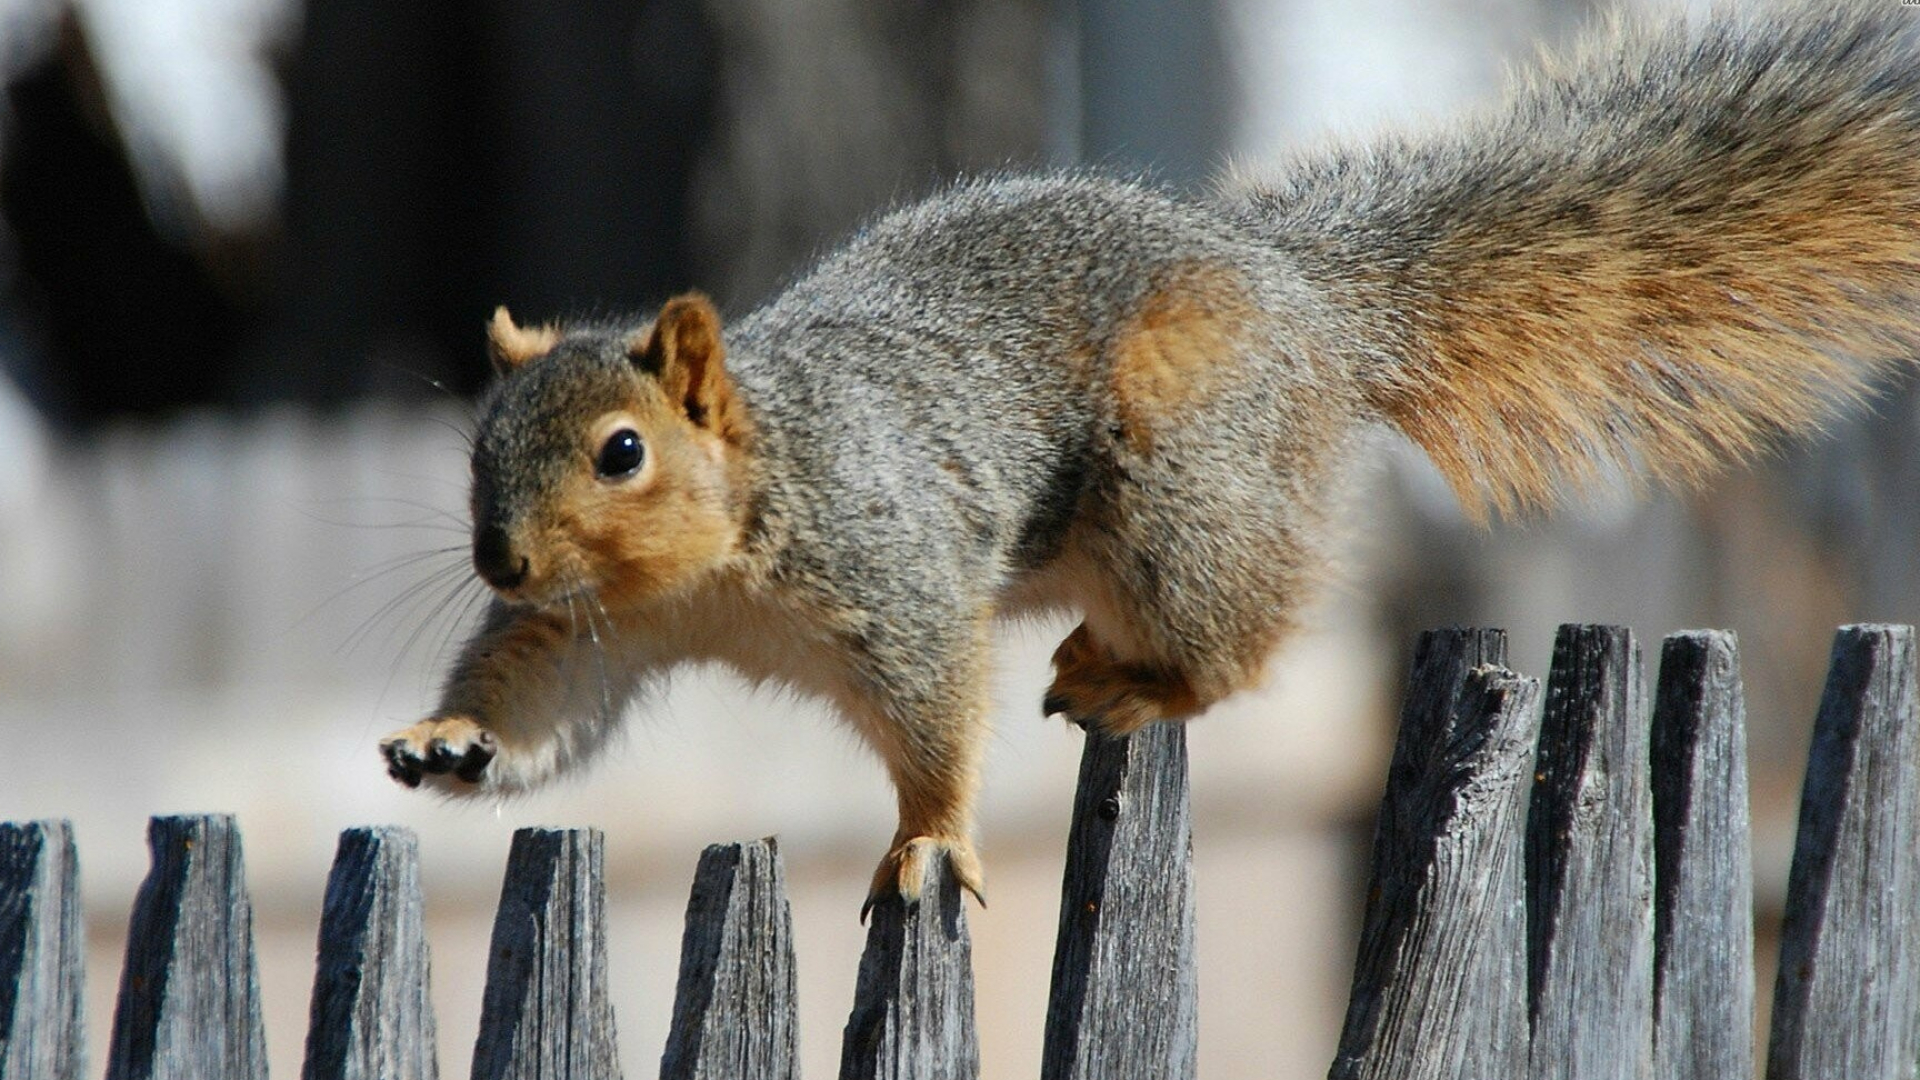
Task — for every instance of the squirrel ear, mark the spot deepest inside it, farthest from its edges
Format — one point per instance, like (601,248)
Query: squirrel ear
(683,350)
(511,346)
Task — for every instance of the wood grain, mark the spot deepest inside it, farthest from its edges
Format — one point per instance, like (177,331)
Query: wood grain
(735,1012)
(1439,988)
(189,1004)
(912,1013)
(545,1014)
(42,944)
(1844,999)
(372,1011)
(1703,863)
(1590,865)
(1124,1000)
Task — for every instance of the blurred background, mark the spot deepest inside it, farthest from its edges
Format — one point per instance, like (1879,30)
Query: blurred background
(246,251)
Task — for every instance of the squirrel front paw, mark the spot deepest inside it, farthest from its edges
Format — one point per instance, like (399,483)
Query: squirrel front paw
(905,865)
(454,746)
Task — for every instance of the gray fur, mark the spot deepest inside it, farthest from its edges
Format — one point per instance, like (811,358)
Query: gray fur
(1074,392)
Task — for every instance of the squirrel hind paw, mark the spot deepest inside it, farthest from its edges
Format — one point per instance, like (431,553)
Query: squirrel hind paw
(1099,691)
(1119,702)
(905,870)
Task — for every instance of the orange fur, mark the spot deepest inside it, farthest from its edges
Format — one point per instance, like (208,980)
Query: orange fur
(649,536)
(1145,409)
(656,534)
(644,545)
(451,729)
(685,351)
(1181,342)
(1121,697)
(1551,355)
(933,756)
(511,345)
(516,655)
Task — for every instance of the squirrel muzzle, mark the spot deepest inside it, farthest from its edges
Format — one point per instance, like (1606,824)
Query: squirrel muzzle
(496,560)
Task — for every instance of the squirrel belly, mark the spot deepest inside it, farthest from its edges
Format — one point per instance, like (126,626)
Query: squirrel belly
(1075,392)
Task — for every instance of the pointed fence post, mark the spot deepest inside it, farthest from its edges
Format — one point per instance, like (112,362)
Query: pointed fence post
(545,1014)
(1844,1004)
(1124,996)
(372,1016)
(42,1032)
(1590,865)
(735,1013)
(1703,863)
(1439,987)
(189,1004)
(913,999)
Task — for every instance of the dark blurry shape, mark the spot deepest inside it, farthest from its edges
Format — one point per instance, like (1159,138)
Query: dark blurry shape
(445,157)
(831,111)
(124,321)
(383,215)
(603,107)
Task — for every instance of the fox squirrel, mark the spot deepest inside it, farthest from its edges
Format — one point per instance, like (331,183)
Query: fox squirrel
(1077,393)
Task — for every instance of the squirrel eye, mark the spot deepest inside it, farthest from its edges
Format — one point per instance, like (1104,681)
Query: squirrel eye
(621,455)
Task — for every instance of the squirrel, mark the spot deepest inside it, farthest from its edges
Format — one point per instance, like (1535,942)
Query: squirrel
(1078,393)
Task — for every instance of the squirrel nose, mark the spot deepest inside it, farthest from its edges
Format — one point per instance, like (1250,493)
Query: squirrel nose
(495,559)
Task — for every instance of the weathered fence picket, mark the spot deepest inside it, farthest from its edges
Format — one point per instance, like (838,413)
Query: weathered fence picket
(1703,864)
(189,1005)
(372,1014)
(1845,1001)
(1439,985)
(913,998)
(734,1013)
(41,944)
(545,1014)
(1561,887)
(1124,1001)
(1590,865)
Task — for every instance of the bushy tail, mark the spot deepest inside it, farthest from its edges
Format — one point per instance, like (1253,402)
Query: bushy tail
(1659,255)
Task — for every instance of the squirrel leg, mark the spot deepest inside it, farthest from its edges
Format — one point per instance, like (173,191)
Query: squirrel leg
(1142,656)
(935,775)
(1187,585)
(932,745)
(530,696)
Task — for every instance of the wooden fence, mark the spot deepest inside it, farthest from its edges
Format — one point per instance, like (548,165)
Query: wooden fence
(1561,889)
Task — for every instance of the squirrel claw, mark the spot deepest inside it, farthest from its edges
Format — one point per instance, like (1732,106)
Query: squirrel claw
(440,757)
(401,768)
(1061,706)
(474,763)
(904,869)
(452,746)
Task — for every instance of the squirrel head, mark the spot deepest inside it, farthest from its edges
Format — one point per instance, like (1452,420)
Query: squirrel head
(608,464)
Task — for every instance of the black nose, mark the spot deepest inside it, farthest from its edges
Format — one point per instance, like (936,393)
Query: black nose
(495,560)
